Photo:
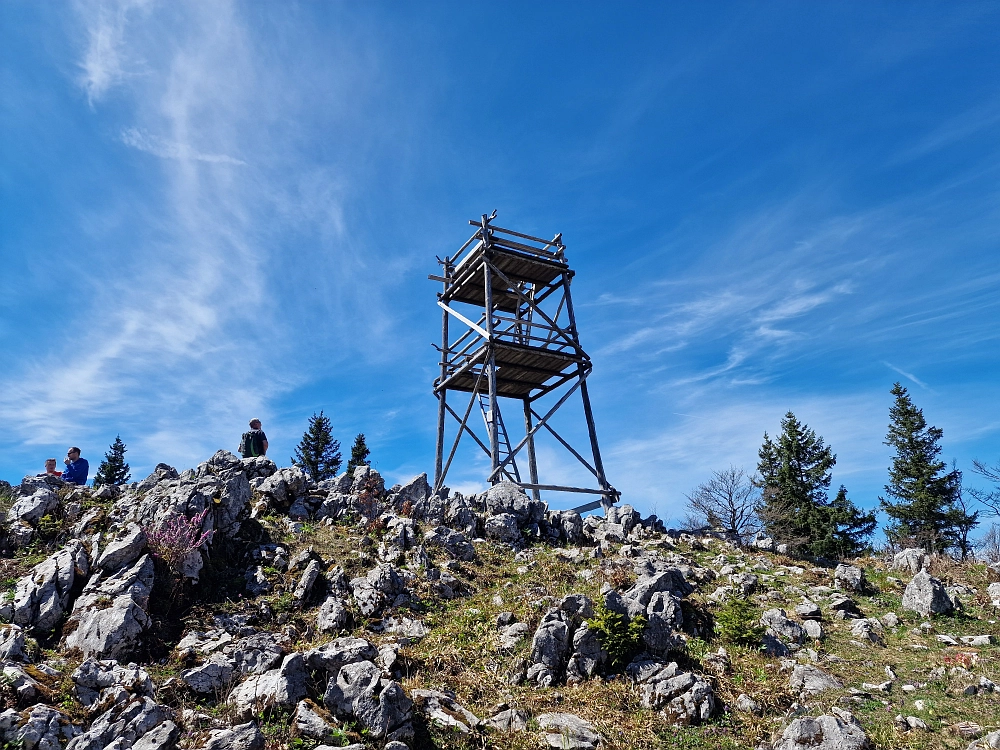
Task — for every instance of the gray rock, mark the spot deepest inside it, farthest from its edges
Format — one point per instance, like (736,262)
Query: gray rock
(212,677)
(40,727)
(443,709)
(124,550)
(588,657)
(377,590)
(663,617)
(809,610)
(339,652)
(745,583)
(513,634)
(850,578)
(124,724)
(810,680)
(993,591)
(333,615)
(839,732)
(913,559)
(12,644)
(868,629)
(503,528)
(670,580)
(283,686)
(509,499)
(110,615)
(312,721)
(813,628)
(511,720)
(24,686)
(257,582)
(359,692)
(307,582)
(748,705)
(100,684)
(550,646)
(763,543)
(163,736)
(684,698)
(779,626)
(568,523)
(34,498)
(568,732)
(256,654)
(241,737)
(926,595)
(453,542)
(42,597)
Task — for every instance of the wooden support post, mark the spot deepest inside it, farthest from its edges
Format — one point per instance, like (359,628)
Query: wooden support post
(491,357)
(532,466)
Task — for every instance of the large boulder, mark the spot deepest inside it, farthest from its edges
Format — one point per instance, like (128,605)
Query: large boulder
(507,497)
(40,727)
(836,732)
(111,614)
(379,705)
(550,648)
(927,596)
(382,587)
(681,697)
(42,597)
(100,684)
(283,686)
(123,549)
(850,578)
(779,626)
(912,559)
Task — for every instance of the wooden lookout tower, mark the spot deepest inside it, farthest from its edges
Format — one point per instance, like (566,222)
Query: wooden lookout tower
(507,296)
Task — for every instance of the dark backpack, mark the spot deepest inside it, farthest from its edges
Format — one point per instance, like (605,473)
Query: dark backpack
(248,447)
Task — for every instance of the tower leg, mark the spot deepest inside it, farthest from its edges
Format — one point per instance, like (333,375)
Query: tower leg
(606,500)
(491,361)
(532,465)
(442,396)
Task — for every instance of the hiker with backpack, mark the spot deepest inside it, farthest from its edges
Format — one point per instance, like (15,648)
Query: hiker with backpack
(254,442)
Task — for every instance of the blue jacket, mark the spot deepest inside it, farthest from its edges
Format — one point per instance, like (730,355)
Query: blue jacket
(77,471)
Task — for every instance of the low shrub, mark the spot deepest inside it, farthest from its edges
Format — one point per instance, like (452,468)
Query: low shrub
(738,622)
(619,635)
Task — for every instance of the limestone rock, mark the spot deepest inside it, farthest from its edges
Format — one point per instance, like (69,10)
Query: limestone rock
(100,684)
(685,698)
(333,615)
(810,680)
(339,652)
(212,677)
(282,686)
(503,528)
(850,578)
(443,709)
(123,550)
(241,737)
(453,542)
(42,596)
(312,721)
(912,559)
(359,692)
(39,728)
(926,595)
(126,724)
(377,590)
(838,732)
(12,644)
(779,626)
(568,732)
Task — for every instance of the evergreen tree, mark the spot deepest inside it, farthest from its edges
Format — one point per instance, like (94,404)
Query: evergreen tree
(113,469)
(794,506)
(318,453)
(926,510)
(359,454)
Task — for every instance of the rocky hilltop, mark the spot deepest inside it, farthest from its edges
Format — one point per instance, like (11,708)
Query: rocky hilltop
(347,614)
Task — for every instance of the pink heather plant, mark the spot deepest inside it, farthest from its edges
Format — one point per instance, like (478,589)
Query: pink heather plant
(177,537)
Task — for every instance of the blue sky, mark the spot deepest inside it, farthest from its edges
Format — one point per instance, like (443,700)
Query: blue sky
(212,211)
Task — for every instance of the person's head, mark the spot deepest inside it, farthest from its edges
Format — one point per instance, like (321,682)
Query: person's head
(73,453)
(254,424)
(50,463)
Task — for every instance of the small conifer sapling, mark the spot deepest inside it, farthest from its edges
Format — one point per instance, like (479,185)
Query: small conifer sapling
(113,469)
(318,453)
(359,454)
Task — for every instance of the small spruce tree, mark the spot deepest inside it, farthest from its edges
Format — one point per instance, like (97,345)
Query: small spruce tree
(318,453)
(794,506)
(359,454)
(926,510)
(113,469)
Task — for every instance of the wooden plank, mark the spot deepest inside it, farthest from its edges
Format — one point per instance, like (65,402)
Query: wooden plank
(560,488)
(465,320)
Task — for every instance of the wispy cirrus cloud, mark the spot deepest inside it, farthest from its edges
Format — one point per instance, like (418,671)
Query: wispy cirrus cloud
(141,141)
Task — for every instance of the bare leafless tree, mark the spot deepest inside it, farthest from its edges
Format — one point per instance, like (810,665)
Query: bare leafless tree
(989,499)
(988,545)
(726,502)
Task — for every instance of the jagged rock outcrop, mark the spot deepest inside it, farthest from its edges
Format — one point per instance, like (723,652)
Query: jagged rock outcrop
(136,723)
(810,680)
(101,684)
(39,728)
(360,693)
(42,597)
(681,697)
(111,613)
(912,559)
(568,732)
(283,686)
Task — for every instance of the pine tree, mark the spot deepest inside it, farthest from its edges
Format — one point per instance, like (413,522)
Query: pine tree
(927,510)
(113,469)
(318,453)
(359,454)
(794,506)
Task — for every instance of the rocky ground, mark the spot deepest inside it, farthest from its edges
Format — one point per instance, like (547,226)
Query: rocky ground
(348,614)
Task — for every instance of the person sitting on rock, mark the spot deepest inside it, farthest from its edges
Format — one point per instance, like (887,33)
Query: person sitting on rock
(254,442)
(50,469)
(76,468)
